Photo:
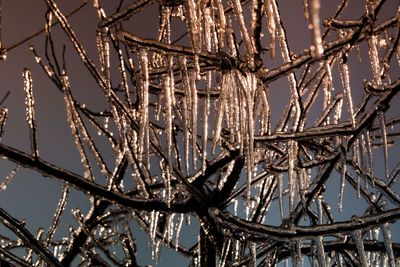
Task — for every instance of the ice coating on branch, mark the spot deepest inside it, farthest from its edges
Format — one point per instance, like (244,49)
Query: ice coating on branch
(72,121)
(317,49)
(57,216)
(271,26)
(3,185)
(30,111)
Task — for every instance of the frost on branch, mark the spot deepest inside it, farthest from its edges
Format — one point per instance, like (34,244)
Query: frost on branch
(190,131)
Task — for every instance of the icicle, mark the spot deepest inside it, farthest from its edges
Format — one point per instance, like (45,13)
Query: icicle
(387,238)
(253,253)
(344,170)
(30,111)
(292,161)
(221,24)
(154,216)
(385,143)
(237,7)
(187,104)
(226,84)
(206,110)
(360,247)
(345,76)
(194,120)
(271,27)
(170,226)
(3,120)
(144,142)
(320,210)
(370,157)
(194,32)
(295,98)
(3,51)
(206,105)
(225,251)
(169,120)
(299,256)
(321,251)
(178,229)
(3,185)
(317,49)
(280,193)
(374,58)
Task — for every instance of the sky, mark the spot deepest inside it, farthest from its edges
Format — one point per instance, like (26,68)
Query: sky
(33,197)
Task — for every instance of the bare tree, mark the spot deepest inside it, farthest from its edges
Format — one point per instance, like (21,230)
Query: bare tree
(189,130)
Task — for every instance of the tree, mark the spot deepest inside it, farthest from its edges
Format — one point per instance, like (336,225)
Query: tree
(189,130)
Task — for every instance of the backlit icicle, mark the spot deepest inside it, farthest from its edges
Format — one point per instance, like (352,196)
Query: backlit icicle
(221,24)
(187,104)
(387,238)
(292,161)
(193,22)
(194,119)
(169,120)
(30,111)
(295,98)
(343,179)
(178,228)
(237,7)
(345,76)
(144,125)
(280,193)
(3,55)
(226,84)
(206,104)
(374,58)
(317,49)
(385,143)
(154,216)
(370,156)
(360,247)
(3,120)
(320,210)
